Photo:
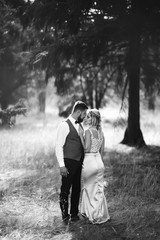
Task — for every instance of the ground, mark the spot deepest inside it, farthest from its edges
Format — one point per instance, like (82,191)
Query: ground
(29,183)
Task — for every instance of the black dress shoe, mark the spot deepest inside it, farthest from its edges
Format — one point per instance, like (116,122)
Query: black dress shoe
(75,219)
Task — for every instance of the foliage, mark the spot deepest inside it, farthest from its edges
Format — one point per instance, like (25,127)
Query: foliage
(71,58)
(95,25)
(8,116)
(98,33)
(150,69)
(13,54)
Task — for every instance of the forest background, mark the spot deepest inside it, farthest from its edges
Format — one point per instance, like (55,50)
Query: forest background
(53,53)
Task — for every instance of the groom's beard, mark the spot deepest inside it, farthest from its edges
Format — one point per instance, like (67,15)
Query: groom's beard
(79,119)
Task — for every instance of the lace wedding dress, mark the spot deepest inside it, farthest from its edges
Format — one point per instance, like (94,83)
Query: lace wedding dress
(93,203)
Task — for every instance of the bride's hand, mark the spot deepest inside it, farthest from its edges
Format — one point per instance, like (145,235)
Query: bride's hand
(81,131)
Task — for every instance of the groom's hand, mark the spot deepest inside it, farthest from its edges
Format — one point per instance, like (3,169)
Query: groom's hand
(64,171)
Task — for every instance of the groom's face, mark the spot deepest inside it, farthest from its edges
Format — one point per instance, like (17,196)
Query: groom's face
(81,116)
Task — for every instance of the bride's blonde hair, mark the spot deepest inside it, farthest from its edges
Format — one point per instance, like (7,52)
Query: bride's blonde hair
(95,118)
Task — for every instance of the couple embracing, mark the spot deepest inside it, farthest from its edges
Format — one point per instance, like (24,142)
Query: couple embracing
(79,155)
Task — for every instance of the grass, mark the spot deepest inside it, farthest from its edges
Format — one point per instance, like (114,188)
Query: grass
(135,193)
(29,183)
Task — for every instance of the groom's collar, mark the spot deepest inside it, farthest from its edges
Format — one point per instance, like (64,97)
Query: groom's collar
(72,119)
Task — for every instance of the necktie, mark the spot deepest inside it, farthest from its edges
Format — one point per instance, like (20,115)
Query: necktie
(80,125)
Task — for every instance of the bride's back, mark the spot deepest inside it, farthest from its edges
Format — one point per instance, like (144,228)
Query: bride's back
(96,140)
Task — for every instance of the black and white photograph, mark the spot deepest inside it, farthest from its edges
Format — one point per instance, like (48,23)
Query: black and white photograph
(79,120)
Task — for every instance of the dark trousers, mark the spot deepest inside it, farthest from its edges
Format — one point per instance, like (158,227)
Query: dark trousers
(71,182)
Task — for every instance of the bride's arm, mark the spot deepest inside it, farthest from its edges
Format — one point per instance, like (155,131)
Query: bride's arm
(86,140)
(102,147)
(81,134)
(87,145)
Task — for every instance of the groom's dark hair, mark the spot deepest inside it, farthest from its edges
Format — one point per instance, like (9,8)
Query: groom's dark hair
(79,105)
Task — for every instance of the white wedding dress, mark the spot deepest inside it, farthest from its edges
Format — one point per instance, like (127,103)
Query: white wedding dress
(93,203)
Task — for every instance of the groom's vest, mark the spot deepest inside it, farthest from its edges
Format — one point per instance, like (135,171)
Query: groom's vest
(73,148)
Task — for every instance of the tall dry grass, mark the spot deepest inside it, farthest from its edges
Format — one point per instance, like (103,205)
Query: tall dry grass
(134,177)
(29,182)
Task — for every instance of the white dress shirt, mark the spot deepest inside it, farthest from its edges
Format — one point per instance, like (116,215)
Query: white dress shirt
(62,132)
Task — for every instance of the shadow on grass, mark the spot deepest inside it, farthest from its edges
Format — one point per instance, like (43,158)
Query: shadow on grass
(134,190)
(134,170)
(29,203)
(30,208)
(42,183)
(108,230)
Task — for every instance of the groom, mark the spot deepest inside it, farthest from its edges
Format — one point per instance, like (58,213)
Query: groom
(70,154)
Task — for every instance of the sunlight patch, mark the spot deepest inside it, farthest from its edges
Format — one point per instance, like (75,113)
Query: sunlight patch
(124,148)
(65,236)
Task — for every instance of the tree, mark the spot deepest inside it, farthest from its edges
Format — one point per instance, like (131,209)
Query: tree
(13,67)
(124,24)
(150,69)
(135,19)
(142,18)
(73,58)
(133,134)
(8,116)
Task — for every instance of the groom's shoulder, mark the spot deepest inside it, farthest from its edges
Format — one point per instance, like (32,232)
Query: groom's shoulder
(65,122)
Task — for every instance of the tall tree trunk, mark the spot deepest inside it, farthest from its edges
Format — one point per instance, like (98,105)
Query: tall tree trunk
(151,99)
(133,135)
(151,102)
(42,101)
(90,91)
(42,85)
(4,105)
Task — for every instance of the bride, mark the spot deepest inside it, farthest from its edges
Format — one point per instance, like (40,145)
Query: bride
(93,202)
